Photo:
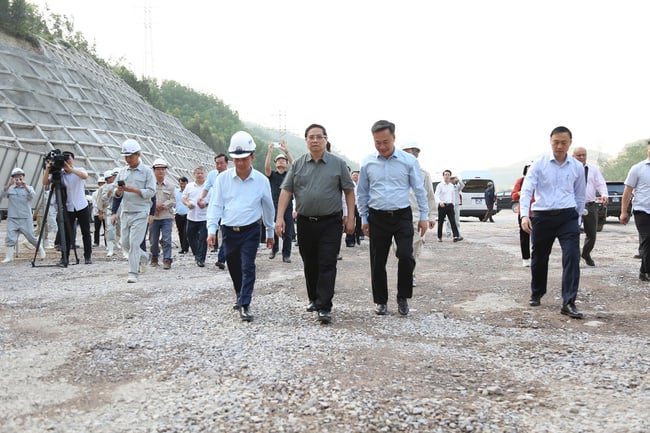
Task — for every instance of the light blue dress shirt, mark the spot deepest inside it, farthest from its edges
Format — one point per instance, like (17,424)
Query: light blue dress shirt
(238,202)
(180,209)
(385,183)
(556,186)
(210,179)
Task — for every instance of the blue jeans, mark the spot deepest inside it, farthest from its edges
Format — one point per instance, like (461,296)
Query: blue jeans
(156,227)
(241,249)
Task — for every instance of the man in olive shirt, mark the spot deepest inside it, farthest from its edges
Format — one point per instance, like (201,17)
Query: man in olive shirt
(316,180)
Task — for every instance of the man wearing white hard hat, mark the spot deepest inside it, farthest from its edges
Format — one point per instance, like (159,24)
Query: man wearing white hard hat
(104,199)
(136,186)
(413,148)
(238,198)
(162,220)
(19,213)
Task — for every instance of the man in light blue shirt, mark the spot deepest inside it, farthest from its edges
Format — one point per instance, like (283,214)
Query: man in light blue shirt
(239,197)
(638,182)
(180,215)
(385,180)
(558,182)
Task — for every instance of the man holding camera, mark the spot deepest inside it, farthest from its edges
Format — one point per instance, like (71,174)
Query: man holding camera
(136,185)
(76,204)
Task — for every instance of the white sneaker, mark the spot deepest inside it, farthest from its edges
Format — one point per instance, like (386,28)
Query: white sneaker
(41,252)
(526,263)
(132,279)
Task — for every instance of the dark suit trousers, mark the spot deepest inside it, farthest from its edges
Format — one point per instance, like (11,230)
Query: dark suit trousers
(384,227)
(319,244)
(642,222)
(590,226)
(546,227)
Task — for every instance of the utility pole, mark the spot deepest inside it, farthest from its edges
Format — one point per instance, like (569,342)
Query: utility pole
(148,70)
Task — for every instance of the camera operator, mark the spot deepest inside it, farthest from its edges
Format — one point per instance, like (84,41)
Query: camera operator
(76,204)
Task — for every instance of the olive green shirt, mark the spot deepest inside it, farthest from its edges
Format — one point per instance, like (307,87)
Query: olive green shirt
(317,185)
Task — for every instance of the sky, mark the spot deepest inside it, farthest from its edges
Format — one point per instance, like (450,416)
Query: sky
(476,84)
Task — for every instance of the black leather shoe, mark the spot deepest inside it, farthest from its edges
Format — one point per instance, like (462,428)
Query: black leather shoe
(381,309)
(637,256)
(245,314)
(220,265)
(571,311)
(589,261)
(534,301)
(458,239)
(402,306)
(644,277)
(88,261)
(324,317)
(286,259)
(235,307)
(311,307)
(200,264)
(272,255)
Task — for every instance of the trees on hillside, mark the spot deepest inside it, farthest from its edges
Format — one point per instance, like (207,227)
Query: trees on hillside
(618,167)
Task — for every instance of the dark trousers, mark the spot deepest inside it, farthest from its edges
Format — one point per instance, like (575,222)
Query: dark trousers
(546,227)
(82,218)
(524,241)
(287,236)
(181,226)
(642,222)
(447,211)
(197,236)
(384,227)
(488,213)
(355,238)
(320,241)
(99,223)
(240,249)
(590,226)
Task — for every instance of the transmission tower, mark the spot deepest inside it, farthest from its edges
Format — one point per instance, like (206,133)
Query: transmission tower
(148,70)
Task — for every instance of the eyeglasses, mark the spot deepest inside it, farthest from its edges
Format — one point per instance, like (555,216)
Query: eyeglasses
(315,137)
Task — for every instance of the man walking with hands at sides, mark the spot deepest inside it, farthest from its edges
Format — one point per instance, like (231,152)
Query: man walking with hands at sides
(385,179)
(276,178)
(316,180)
(595,184)
(558,182)
(238,198)
(638,182)
(161,225)
(445,196)
(135,185)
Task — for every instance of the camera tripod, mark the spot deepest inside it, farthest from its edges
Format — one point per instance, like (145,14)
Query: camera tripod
(61,222)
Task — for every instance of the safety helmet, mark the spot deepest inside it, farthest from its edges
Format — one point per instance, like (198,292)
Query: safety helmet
(159,162)
(281,156)
(410,145)
(101,179)
(108,173)
(241,145)
(16,171)
(130,146)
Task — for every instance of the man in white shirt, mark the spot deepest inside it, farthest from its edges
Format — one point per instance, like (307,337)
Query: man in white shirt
(197,232)
(595,184)
(445,196)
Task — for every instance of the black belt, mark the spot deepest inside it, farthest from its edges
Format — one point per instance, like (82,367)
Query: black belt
(315,219)
(553,212)
(590,203)
(242,228)
(388,212)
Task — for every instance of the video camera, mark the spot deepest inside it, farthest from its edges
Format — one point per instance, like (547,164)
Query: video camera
(56,160)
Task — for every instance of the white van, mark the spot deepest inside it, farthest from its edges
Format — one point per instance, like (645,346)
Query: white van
(473,198)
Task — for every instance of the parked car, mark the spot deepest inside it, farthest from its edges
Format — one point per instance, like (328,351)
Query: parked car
(473,198)
(615,193)
(505,201)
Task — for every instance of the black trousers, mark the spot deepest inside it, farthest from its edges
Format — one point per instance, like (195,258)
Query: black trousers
(447,211)
(181,227)
(590,227)
(547,227)
(320,241)
(81,217)
(642,222)
(98,227)
(383,228)
(524,241)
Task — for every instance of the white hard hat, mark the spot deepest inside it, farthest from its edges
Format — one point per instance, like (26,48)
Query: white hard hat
(241,145)
(282,156)
(17,171)
(410,145)
(108,173)
(159,162)
(130,146)
(116,170)
(101,179)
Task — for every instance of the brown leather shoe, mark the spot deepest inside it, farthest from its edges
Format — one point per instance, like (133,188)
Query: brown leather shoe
(167,264)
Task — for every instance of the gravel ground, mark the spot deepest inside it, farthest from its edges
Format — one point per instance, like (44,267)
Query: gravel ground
(84,351)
